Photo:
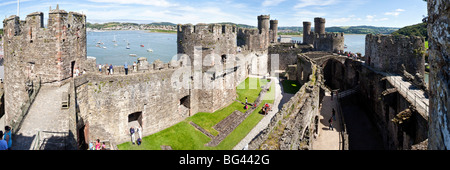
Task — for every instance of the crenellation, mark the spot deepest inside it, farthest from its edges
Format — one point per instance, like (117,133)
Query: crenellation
(321,40)
(388,53)
(34,53)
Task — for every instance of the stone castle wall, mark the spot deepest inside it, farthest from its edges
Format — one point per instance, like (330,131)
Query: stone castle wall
(439,52)
(388,53)
(33,52)
(293,126)
(213,39)
(105,103)
(383,107)
(322,41)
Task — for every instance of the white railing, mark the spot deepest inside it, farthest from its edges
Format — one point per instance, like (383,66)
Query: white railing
(413,98)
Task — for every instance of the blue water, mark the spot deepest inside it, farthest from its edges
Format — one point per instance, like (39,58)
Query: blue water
(355,42)
(163,45)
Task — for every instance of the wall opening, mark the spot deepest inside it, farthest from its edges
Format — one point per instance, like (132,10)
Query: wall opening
(83,137)
(185,101)
(135,119)
(223,58)
(72,68)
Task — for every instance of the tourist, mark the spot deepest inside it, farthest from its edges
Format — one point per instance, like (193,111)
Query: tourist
(134,67)
(246,100)
(132,134)
(331,124)
(3,144)
(103,146)
(77,72)
(100,68)
(126,68)
(266,108)
(332,96)
(91,146)
(139,141)
(333,115)
(139,132)
(98,146)
(111,69)
(7,137)
(107,69)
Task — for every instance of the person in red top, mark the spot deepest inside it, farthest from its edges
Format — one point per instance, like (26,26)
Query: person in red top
(98,145)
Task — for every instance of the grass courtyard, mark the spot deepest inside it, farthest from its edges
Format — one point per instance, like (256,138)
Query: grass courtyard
(183,136)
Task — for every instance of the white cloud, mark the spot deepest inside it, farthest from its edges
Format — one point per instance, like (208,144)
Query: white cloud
(272,2)
(394,13)
(158,3)
(373,18)
(306,3)
(370,17)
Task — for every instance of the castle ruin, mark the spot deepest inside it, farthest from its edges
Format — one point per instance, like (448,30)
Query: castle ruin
(35,54)
(212,60)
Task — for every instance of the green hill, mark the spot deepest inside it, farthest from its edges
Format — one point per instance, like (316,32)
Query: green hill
(346,29)
(413,30)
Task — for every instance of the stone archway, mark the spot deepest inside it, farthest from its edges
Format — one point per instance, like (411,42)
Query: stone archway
(334,74)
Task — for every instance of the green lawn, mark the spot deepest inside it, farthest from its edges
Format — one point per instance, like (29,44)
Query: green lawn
(183,136)
(291,86)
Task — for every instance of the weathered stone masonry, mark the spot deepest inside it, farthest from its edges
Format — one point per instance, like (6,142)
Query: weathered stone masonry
(439,52)
(33,52)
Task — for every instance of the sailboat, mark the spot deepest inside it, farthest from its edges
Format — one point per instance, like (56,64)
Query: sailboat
(128,45)
(114,39)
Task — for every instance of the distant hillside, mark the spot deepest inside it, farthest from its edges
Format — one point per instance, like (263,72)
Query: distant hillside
(238,25)
(126,25)
(346,30)
(154,24)
(282,30)
(163,23)
(413,30)
(362,30)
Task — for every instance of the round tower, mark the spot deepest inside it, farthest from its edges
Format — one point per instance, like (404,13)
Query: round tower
(263,23)
(319,25)
(274,29)
(306,31)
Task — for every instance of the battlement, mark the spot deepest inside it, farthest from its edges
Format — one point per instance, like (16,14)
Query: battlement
(329,35)
(263,17)
(393,39)
(34,52)
(322,41)
(207,28)
(57,18)
(390,53)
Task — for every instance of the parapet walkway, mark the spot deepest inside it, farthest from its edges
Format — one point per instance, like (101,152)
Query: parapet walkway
(413,95)
(328,139)
(45,122)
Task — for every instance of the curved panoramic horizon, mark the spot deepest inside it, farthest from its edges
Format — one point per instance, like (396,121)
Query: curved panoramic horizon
(290,13)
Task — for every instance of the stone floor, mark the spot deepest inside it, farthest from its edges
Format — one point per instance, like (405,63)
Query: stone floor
(327,139)
(47,117)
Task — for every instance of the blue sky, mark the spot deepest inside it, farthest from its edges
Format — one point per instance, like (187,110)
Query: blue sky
(391,13)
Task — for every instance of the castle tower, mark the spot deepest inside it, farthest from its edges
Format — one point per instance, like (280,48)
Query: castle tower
(319,25)
(306,32)
(263,23)
(37,54)
(274,31)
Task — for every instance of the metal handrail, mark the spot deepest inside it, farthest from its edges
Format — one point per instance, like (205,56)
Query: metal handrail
(413,99)
(411,96)
(36,144)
